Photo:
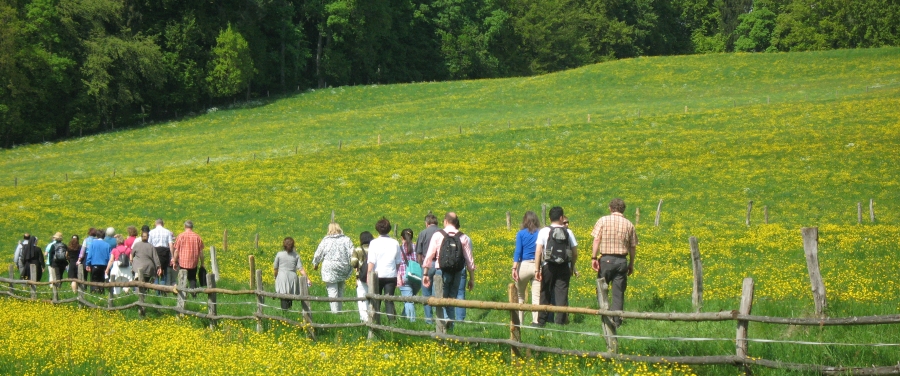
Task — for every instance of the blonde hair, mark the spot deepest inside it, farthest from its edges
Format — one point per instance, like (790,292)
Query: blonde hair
(119,239)
(334,229)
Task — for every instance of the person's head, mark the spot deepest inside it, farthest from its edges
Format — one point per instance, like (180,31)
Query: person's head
(430,219)
(365,238)
(110,232)
(556,214)
(159,222)
(92,231)
(57,236)
(383,226)
(120,239)
(451,219)
(530,221)
(334,229)
(188,224)
(407,235)
(145,228)
(288,244)
(145,235)
(74,242)
(26,236)
(132,231)
(617,205)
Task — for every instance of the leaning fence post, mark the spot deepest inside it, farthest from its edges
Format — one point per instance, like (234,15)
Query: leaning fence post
(12,286)
(859,212)
(811,249)
(637,216)
(54,286)
(514,322)
(252,272)
(33,288)
(766,213)
(697,295)
(609,329)
(79,284)
(872,210)
(182,284)
(372,285)
(110,296)
(543,214)
(749,209)
(304,307)
(211,308)
(256,241)
(508,222)
(214,262)
(437,286)
(141,293)
(658,209)
(746,305)
(260,300)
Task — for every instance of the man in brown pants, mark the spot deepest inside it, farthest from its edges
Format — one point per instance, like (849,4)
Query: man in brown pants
(614,238)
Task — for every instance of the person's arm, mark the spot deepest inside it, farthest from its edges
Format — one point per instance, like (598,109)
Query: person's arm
(109,264)
(201,259)
(319,256)
(517,258)
(632,251)
(538,256)
(595,247)
(470,261)
(574,261)
(429,258)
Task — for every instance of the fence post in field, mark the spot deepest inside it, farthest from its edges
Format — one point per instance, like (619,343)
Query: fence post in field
(543,214)
(811,249)
(214,262)
(697,295)
(746,305)
(260,300)
(637,216)
(211,308)
(872,210)
(437,287)
(33,288)
(225,240)
(54,286)
(12,273)
(685,109)
(110,296)
(80,287)
(766,213)
(609,329)
(332,216)
(304,307)
(182,284)
(372,286)
(749,209)
(252,272)
(859,213)
(340,145)
(256,242)
(658,210)
(379,139)
(141,291)
(508,223)
(589,118)
(171,276)
(514,321)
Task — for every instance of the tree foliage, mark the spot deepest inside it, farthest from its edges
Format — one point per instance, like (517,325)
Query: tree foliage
(231,68)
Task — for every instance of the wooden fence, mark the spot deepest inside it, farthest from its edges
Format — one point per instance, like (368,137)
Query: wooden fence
(742,317)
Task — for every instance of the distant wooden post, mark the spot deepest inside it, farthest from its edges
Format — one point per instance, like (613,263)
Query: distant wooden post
(260,300)
(332,216)
(225,240)
(340,144)
(304,307)
(859,213)
(207,159)
(33,288)
(16,182)
(372,284)
(214,262)
(543,214)
(460,129)
(766,213)
(256,241)
(749,209)
(639,112)
(508,126)
(872,210)
(114,172)
(609,328)
(685,109)
(438,288)
(508,223)
(767,99)
(658,210)
(811,249)
(548,122)
(514,322)
(211,308)
(252,272)
(746,305)
(182,284)
(67,177)
(141,291)
(589,118)
(80,287)
(733,103)
(54,286)
(637,216)
(110,297)
(697,295)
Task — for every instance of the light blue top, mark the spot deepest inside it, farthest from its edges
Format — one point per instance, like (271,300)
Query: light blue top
(526,243)
(97,253)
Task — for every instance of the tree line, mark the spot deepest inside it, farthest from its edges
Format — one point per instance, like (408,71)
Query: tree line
(75,67)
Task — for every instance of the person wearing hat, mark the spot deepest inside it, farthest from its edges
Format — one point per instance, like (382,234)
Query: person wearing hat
(49,253)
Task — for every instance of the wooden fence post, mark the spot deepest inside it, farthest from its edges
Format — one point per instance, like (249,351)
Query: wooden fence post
(609,329)
(437,286)
(260,300)
(811,249)
(543,214)
(80,287)
(872,210)
(256,242)
(304,307)
(141,293)
(332,216)
(372,285)
(110,296)
(225,241)
(749,209)
(514,322)
(252,272)
(589,118)
(697,295)
(637,216)
(658,210)
(766,213)
(508,222)
(54,286)
(859,213)
(211,308)
(214,262)
(182,284)
(746,305)
(33,288)
(12,276)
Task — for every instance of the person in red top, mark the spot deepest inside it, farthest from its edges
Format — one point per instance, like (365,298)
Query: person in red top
(188,253)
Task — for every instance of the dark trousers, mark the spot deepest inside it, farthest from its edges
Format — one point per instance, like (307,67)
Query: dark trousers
(192,279)
(98,274)
(60,268)
(26,272)
(555,280)
(386,286)
(614,269)
(286,303)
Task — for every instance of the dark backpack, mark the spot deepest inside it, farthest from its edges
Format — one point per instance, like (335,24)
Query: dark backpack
(124,262)
(30,254)
(451,255)
(558,250)
(60,252)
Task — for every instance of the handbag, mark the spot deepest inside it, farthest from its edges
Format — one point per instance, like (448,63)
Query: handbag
(414,272)
(201,275)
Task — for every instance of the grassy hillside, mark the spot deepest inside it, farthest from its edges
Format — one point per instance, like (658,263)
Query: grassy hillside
(821,143)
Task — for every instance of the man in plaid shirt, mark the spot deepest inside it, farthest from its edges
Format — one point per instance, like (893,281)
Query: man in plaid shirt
(188,253)
(614,238)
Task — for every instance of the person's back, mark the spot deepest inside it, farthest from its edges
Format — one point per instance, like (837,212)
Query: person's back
(98,252)
(145,261)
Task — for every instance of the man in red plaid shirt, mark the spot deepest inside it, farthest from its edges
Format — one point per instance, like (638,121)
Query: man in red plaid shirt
(188,253)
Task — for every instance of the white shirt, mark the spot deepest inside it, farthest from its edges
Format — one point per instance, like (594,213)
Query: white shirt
(384,254)
(160,237)
(545,233)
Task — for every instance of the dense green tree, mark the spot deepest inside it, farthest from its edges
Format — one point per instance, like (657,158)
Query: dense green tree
(231,68)
(755,31)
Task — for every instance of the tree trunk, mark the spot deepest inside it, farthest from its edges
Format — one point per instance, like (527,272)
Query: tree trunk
(319,61)
(283,88)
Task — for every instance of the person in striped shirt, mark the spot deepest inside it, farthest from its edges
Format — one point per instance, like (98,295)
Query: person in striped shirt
(614,239)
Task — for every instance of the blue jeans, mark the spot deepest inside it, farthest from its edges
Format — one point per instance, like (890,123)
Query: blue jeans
(461,294)
(427,292)
(163,279)
(409,309)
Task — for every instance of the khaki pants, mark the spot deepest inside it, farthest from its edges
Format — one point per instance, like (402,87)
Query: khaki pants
(526,275)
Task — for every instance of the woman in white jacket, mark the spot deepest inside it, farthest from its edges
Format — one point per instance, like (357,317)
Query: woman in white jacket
(333,254)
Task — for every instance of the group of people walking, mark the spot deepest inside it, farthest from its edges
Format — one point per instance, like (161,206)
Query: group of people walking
(544,260)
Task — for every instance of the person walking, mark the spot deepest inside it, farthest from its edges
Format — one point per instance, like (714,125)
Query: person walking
(422,243)
(188,253)
(119,267)
(57,256)
(450,252)
(48,253)
(409,277)
(359,261)
(82,255)
(144,260)
(384,258)
(73,249)
(98,254)
(132,236)
(17,255)
(557,251)
(334,254)
(162,241)
(523,267)
(30,254)
(287,264)
(111,237)
(614,238)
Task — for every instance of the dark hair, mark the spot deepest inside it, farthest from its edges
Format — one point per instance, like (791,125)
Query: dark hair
(145,228)
(288,244)
(365,238)
(530,221)
(407,235)
(430,219)
(452,219)
(132,231)
(74,244)
(383,226)
(617,205)
(92,232)
(556,213)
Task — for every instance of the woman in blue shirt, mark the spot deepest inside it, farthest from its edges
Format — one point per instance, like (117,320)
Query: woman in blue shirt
(523,261)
